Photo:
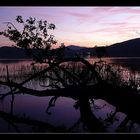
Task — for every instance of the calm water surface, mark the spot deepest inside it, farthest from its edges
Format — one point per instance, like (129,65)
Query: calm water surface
(63,114)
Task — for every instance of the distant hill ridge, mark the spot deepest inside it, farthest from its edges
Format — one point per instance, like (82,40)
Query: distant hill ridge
(7,52)
(129,48)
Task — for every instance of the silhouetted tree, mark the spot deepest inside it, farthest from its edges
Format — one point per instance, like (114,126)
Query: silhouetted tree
(34,37)
(100,51)
(68,81)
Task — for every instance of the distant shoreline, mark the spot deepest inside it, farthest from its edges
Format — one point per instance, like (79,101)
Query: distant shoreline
(22,59)
(16,59)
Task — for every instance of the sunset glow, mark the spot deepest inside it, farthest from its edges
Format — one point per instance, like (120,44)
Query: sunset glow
(83,26)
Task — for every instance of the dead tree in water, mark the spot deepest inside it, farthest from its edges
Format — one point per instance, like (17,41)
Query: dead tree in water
(99,80)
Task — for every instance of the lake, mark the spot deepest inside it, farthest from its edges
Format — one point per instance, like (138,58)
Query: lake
(64,114)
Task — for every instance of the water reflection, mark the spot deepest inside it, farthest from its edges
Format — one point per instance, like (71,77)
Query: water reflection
(67,114)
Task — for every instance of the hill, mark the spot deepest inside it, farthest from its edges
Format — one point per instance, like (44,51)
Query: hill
(7,52)
(129,48)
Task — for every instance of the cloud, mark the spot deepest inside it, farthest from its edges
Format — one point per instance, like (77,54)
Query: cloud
(128,10)
(116,23)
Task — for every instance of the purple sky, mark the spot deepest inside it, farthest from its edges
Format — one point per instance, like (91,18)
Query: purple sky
(84,26)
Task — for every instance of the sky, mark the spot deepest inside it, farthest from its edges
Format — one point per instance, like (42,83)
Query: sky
(83,26)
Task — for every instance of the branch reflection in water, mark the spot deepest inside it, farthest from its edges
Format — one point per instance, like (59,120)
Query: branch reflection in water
(27,113)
